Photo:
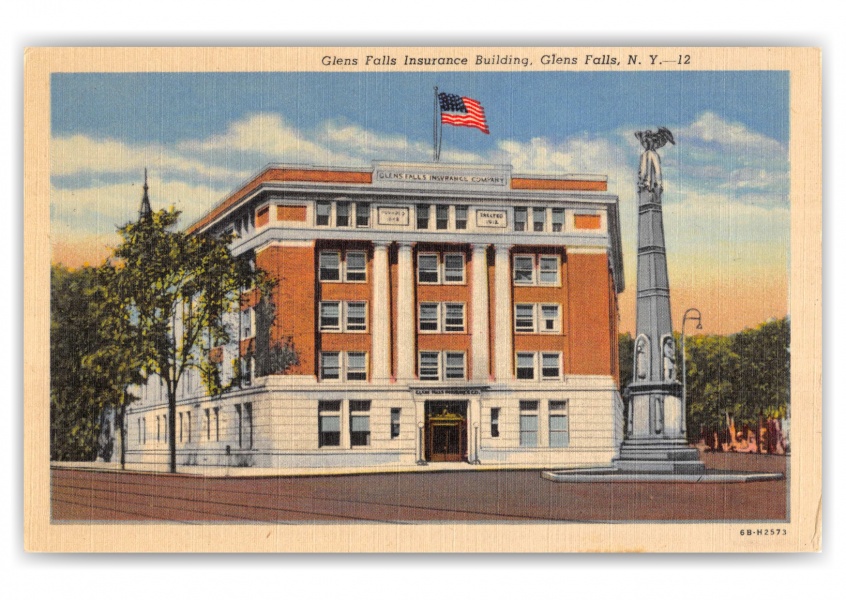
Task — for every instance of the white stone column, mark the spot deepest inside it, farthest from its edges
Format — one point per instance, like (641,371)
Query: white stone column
(380,325)
(503,336)
(406,322)
(480,332)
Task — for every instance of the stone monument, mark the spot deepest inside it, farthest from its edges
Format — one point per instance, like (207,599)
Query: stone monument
(656,429)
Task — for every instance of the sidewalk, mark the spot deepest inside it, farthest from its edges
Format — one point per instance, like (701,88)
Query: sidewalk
(214,471)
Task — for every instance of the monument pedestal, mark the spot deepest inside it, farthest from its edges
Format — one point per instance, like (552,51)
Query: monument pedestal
(653,455)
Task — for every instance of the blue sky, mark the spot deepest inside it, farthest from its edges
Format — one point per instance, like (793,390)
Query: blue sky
(201,135)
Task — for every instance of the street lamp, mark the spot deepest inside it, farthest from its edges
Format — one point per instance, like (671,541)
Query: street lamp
(691,314)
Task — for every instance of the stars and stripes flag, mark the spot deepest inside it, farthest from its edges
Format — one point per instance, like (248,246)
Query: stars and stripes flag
(462,112)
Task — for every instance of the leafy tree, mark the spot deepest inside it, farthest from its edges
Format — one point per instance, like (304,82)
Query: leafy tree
(173,290)
(75,405)
(626,350)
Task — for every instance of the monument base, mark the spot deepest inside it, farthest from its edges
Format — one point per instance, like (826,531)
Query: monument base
(657,455)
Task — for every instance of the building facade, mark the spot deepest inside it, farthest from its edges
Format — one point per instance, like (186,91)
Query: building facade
(437,312)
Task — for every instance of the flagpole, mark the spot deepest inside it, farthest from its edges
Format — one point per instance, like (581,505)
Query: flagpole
(435,112)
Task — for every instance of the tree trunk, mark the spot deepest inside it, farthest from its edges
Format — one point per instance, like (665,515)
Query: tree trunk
(122,426)
(171,418)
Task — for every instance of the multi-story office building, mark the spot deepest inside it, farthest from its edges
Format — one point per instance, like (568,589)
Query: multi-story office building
(438,312)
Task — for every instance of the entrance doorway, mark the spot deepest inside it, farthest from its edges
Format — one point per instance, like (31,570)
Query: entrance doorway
(446,431)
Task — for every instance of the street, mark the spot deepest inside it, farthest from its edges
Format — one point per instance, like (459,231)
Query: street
(408,497)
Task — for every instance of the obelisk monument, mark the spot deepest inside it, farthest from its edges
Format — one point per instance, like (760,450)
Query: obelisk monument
(656,431)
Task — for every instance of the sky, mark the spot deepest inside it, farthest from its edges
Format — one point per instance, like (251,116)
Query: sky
(201,135)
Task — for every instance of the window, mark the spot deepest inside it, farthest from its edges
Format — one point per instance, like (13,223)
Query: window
(454,268)
(427,268)
(356,263)
(356,366)
(430,269)
(441,216)
(181,428)
(429,316)
(353,366)
(330,366)
(328,423)
(330,316)
(539,219)
(525,365)
(521,217)
(494,422)
(444,317)
(454,365)
(430,366)
(550,321)
(324,210)
(524,318)
(143,430)
(529,423)
(139,430)
(423,216)
(343,316)
(248,423)
(164,429)
(524,270)
(330,266)
(461,217)
(543,272)
(359,422)
(158,429)
(559,426)
(450,364)
(239,424)
(208,424)
(362,214)
(557,219)
(395,423)
(217,423)
(534,318)
(188,423)
(342,214)
(246,371)
(549,270)
(454,317)
(550,366)
(356,316)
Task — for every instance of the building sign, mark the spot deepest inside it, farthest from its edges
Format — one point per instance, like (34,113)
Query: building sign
(448,391)
(393,215)
(491,218)
(389,174)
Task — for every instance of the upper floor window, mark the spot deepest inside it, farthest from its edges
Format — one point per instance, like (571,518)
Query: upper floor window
(537,318)
(442,216)
(362,214)
(543,366)
(431,269)
(342,214)
(353,268)
(557,219)
(343,316)
(441,317)
(442,366)
(530,269)
(539,219)
(343,366)
(521,218)
(422,216)
(461,217)
(323,213)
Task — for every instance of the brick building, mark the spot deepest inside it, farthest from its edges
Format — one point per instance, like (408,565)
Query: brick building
(438,312)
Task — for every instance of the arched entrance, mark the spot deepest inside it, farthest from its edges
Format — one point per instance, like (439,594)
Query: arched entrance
(446,431)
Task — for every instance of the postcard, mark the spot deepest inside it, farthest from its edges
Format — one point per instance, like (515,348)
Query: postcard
(423,299)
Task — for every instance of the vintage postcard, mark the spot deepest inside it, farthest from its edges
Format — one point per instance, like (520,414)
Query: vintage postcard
(423,299)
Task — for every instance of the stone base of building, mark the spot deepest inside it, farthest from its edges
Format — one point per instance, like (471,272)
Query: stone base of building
(659,456)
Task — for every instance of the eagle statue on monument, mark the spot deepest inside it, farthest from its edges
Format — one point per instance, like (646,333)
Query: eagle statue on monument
(649,176)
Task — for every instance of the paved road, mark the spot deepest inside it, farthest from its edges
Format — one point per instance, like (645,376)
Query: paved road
(409,497)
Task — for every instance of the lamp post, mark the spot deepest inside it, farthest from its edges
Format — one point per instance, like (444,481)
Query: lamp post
(691,314)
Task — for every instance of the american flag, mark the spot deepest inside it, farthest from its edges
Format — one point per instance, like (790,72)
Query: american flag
(462,112)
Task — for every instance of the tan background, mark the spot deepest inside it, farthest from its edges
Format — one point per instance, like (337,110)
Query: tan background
(805,309)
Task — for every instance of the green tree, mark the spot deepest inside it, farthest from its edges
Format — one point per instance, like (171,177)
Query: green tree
(172,290)
(763,377)
(75,405)
(712,368)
